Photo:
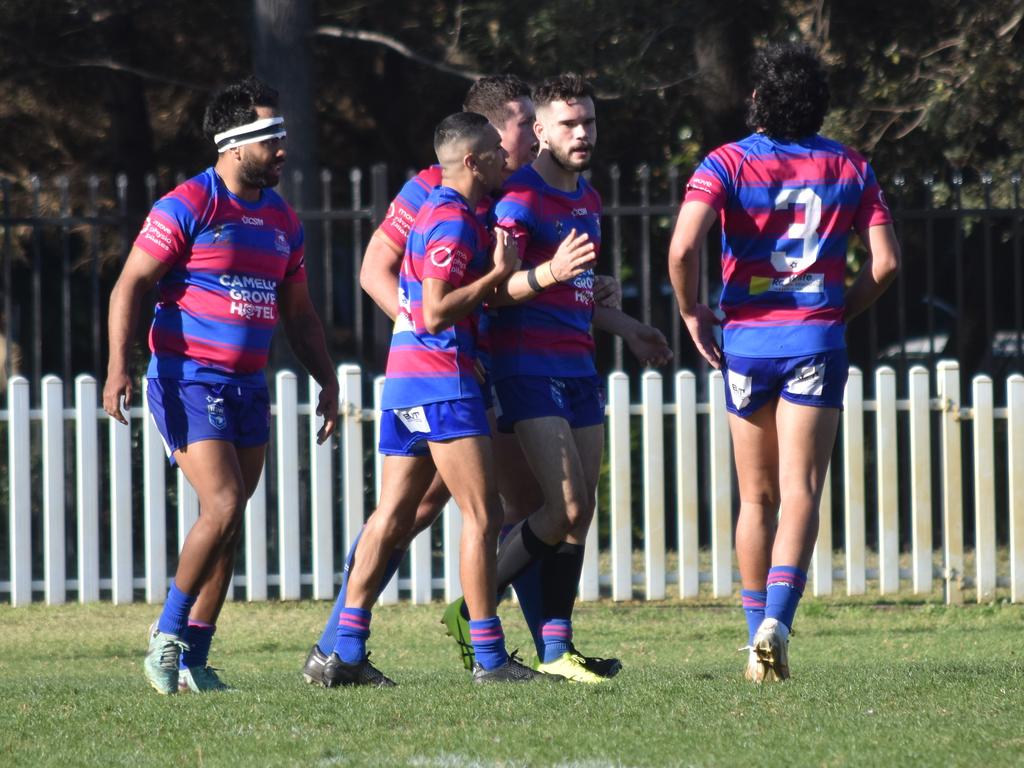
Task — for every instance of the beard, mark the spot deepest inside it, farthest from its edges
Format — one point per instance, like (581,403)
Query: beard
(564,161)
(258,175)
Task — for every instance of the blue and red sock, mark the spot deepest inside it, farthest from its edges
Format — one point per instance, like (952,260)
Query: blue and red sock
(330,633)
(198,635)
(557,636)
(753,606)
(353,629)
(174,616)
(785,588)
(488,640)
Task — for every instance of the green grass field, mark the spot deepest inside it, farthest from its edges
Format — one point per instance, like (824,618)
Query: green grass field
(896,684)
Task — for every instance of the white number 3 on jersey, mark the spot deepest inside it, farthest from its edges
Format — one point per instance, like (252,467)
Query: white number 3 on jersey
(806,230)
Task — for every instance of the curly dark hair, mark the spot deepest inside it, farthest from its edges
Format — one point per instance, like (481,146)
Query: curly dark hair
(565,87)
(235,105)
(489,96)
(791,91)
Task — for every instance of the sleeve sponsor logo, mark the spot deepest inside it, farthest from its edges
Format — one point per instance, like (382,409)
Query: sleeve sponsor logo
(400,219)
(158,233)
(700,184)
(441,257)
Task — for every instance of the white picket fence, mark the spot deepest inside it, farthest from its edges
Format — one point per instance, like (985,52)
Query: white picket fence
(339,492)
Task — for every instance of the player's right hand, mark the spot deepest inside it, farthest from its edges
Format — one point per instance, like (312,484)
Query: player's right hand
(506,253)
(701,325)
(575,255)
(117,388)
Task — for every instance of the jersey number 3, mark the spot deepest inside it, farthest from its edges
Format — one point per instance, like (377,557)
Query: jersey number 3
(806,230)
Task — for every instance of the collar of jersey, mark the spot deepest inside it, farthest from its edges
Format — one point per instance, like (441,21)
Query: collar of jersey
(580,184)
(252,206)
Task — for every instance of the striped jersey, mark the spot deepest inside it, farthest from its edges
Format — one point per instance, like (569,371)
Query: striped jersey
(217,304)
(446,242)
(549,335)
(787,209)
(403,211)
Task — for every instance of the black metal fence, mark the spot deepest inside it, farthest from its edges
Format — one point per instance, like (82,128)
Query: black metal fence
(959,294)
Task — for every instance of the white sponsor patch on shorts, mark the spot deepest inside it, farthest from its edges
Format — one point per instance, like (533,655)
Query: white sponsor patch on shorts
(414,419)
(739,389)
(496,401)
(807,380)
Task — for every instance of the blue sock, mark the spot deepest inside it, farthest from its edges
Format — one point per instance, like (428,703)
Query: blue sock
(198,635)
(557,634)
(353,629)
(488,642)
(531,600)
(174,617)
(785,588)
(753,607)
(330,633)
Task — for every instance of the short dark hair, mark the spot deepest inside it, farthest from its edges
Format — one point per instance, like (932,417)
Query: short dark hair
(235,105)
(791,91)
(459,127)
(565,87)
(490,96)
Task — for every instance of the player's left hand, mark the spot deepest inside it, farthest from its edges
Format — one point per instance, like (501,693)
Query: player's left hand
(607,292)
(328,408)
(648,345)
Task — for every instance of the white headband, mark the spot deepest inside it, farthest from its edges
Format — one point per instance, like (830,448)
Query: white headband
(259,130)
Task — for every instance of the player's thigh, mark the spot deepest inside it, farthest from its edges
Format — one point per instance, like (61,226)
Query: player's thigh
(590,445)
(550,449)
(806,437)
(517,486)
(212,468)
(466,464)
(250,461)
(756,452)
(403,481)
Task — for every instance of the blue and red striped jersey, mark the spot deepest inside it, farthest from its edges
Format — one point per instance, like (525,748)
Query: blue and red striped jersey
(787,209)
(446,242)
(217,305)
(549,335)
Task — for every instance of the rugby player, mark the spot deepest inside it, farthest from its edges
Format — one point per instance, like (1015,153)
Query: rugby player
(787,199)
(226,254)
(433,416)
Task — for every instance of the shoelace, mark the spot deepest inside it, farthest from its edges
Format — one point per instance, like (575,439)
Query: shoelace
(371,673)
(171,652)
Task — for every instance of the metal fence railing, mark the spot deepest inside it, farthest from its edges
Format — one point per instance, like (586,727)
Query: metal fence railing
(960,293)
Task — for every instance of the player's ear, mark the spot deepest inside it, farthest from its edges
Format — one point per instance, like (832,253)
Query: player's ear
(469,160)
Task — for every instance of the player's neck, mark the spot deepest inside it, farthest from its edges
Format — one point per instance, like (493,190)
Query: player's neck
(466,185)
(234,184)
(555,175)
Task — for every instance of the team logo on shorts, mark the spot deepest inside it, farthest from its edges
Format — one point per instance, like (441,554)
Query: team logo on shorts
(740,387)
(558,392)
(215,412)
(807,380)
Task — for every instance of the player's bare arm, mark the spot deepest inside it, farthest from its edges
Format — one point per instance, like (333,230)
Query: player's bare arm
(692,227)
(306,335)
(607,292)
(878,271)
(141,272)
(378,275)
(444,305)
(646,342)
(575,255)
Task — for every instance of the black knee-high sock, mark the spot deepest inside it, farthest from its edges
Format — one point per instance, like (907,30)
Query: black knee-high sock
(560,579)
(520,548)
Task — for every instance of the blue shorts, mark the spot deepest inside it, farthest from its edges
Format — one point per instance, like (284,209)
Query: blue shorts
(186,412)
(577,399)
(406,431)
(818,380)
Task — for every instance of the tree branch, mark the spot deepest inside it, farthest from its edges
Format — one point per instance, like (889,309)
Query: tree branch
(398,47)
